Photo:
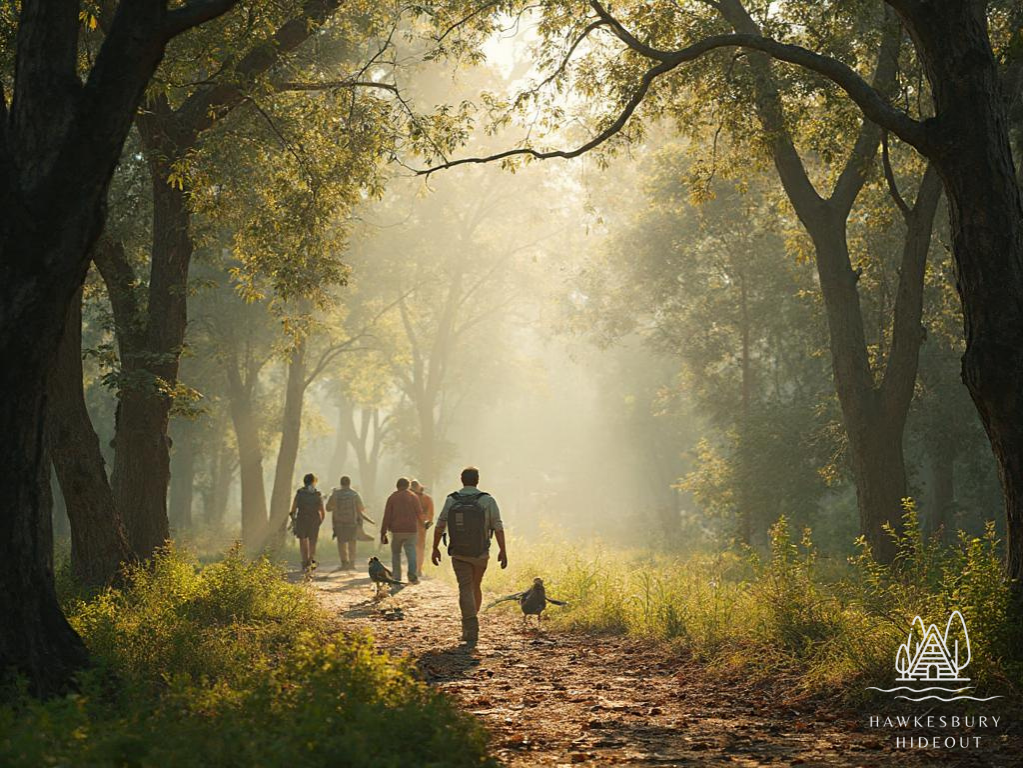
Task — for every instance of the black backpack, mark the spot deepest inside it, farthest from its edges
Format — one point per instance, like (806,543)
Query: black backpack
(468,535)
(307,502)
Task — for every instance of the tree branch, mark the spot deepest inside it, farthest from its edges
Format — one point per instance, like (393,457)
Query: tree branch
(336,349)
(616,126)
(200,110)
(890,179)
(858,164)
(897,387)
(120,280)
(874,106)
(193,14)
(331,85)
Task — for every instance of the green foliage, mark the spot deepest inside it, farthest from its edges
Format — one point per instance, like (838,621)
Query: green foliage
(230,665)
(832,627)
(930,579)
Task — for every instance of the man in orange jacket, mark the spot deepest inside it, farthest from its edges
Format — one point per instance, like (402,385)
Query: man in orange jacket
(426,520)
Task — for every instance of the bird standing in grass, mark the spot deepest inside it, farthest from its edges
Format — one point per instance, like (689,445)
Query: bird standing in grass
(379,574)
(532,602)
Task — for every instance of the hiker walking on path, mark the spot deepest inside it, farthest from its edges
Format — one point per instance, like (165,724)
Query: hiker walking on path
(347,515)
(426,520)
(307,513)
(402,520)
(470,516)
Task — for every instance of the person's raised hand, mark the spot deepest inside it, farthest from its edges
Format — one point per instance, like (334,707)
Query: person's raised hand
(435,556)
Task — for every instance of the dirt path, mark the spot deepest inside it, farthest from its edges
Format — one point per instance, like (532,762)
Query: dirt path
(566,698)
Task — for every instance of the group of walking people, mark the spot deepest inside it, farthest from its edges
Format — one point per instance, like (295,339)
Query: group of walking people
(469,520)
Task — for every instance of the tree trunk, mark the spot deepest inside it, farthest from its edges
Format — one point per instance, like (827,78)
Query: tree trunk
(986,227)
(375,447)
(250,463)
(35,639)
(98,542)
(291,432)
(879,471)
(341,443)
(221,474)
(61,524)
(428,442)
(183,477)
(971,148)
(142,464)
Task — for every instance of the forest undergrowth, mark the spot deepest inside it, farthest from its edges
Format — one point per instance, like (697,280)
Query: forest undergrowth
(831,627)
(228,664)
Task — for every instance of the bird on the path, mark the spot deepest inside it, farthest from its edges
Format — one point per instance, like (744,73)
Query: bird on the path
(532,602)
(379,574)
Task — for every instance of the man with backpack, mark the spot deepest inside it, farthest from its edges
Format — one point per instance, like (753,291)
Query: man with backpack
(347,515)
(469,517)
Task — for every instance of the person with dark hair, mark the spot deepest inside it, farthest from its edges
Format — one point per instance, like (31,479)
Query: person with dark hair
(307,514)
(401,519)
(426,520)
(470,517)
(347,515)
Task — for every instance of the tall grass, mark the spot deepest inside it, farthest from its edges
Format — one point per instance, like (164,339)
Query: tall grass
(833,627)
(230,665)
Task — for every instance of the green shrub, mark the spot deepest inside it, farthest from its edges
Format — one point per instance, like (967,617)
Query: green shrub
(229,665)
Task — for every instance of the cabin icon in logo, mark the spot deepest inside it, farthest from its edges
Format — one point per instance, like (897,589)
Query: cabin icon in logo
(931,656)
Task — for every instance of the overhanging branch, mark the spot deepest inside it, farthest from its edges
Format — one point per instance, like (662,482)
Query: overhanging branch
(874,106)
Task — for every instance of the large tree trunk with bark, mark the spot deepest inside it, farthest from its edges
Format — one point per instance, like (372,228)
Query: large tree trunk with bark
(99,546)
(880,475)
(291,432)
(875,444)
(969,142)
(35,639)
(142,463)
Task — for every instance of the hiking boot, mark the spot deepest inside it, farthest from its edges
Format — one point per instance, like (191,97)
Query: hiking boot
(470,630)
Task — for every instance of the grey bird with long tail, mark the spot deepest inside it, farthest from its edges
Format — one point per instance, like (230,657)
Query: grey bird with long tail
(533,601)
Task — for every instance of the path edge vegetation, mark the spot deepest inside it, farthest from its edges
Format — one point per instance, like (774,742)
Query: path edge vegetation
(788,618)
(229,664)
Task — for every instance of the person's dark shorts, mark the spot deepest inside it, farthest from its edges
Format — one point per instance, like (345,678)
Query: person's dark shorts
(307,526)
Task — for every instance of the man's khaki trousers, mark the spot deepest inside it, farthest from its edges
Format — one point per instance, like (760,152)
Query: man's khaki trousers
(469,572)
